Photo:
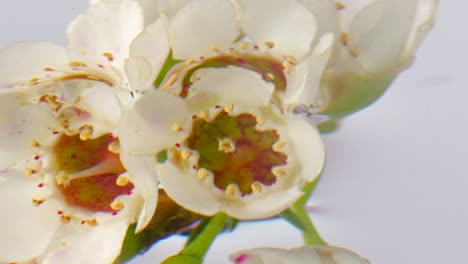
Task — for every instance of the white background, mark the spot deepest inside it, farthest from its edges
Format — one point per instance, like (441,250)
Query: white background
(396,182)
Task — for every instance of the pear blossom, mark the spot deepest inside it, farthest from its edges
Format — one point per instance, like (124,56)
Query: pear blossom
(316,254)
(374,42)
(66,187)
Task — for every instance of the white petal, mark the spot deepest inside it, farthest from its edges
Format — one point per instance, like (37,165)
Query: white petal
(145,180)
(20,124)
(109,26)
(261,207)
(152,45)
(308,146)
(235,85)
(146,125)
(201,24)
(23,60)
(152,8)
(96,245)
(379,32)
(26,229)
(101,102)
(314,254)
(304,81)
(285,22)
(187,190)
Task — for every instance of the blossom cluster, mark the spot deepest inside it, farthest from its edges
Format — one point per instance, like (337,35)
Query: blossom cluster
(215,101)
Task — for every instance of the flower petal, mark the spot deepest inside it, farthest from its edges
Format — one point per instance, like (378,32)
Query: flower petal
(143,175)
(201,24)
(304,81)
(26,229)
(20,125)
(314,254)
(379,32)
(235,85)
(188,190)
(285,22)
(308,145)
(146,125)
(95,245)
(105,30)
(21,61)
(153,46)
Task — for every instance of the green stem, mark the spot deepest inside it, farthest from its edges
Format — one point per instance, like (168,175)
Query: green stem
(309,232)
(195,251)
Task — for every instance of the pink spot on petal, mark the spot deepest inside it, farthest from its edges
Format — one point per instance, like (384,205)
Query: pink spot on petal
(242,258)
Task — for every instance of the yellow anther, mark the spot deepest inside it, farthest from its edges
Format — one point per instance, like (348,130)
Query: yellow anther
(92,222)
(243,45)
(205,114)
(77,64)
(202,173)
(37,202)
(279,171)
(279,145)
(65,218)
(188,62)
(339,5)
(122,180)
(108,55)
(171,80)
(63,179)
(114,147)
(176,127)
(270,44)
(29,171)
(292,60)
(231,189)
(288,67)
(228,108)
(117,205)
(185,154)
(260,120)
(256,187)
(85,132)
(214,48)
(51,100)
(226,145)
(270,76)
(344,38)
(34,143)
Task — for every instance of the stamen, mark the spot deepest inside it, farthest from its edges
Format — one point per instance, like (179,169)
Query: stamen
(270,76)
(202,173)
(122,180)
(292,60)
(270,44)
(214,48)
(117,205)
(65,218)
(339,5)
(114,147)
(63,179)
(77,64)
(108,55)
(353,52)
(34,143)
(228,108)
(205,114)
(231,189)
(29,171)
(185,154)
(288,67)
(260,120)
(256,187)
(279,171)
(226,145)
(243,45)
(37,202)
(279,145)
(85,132)
(344,38)
(176,127)
(92,222)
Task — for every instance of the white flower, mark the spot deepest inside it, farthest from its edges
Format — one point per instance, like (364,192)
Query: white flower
(68,193)
(299,255)
(375,41)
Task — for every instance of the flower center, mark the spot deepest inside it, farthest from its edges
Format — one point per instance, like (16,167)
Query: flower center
(236,152)
(89,172)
